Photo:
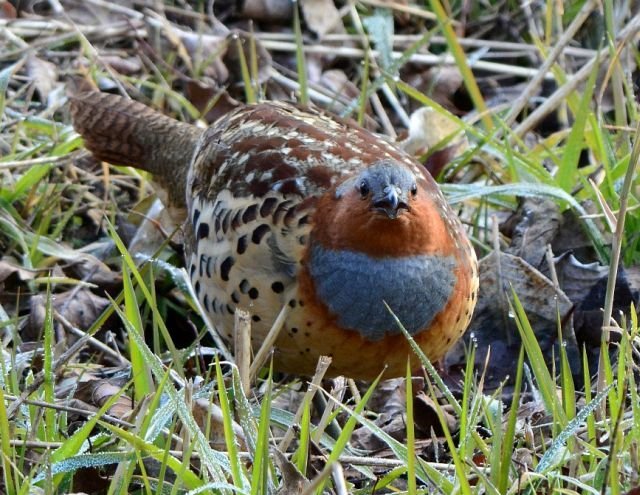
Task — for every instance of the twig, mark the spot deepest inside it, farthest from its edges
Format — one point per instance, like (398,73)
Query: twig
(567,37)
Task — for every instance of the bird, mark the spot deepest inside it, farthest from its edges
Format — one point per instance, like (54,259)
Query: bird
(286,206)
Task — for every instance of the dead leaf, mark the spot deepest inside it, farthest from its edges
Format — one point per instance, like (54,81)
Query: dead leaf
(80,307)
(293,481)
(95,393)
(9,267)
(427,422)
(572,236)
(439,83)
(240,40)
(532,227)
(128,66)
(43,74)
(204,410)
(322,17)
(210,99)
(493,327)
(267,10)
(429,129)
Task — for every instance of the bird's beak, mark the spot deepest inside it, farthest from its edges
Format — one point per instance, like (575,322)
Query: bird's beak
(392,203)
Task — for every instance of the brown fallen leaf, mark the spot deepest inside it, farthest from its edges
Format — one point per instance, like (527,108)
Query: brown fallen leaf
(10,267)
(206,411)
(532,227)
(43,74)
(80,307)
(322,17)
(96,392)
(493,325)
(429,129)
(239,40)
(293,481)
(267,10)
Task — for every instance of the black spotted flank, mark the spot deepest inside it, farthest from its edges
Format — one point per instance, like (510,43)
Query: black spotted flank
(203,230)
(244,286)
(225,267)
(268,205)
(237,220)
(259,232)
(201,265)
(205,302)
(235,297)
(208,266)
(254,293)
(225,221)
(256,318)
(250,214)
(197,288)
(196,216)
(277,287)
(242,244)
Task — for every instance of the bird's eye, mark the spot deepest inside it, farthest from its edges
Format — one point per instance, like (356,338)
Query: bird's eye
(414,189)
(364,189)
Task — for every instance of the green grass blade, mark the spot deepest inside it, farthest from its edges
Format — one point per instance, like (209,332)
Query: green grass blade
(411,435)
(186,477)
(461,62)
(143,385)
(216,463)
(508,440)
(260,478)
(7,451)
(568,169)
(548,459)
(230,437)
(244,70)
(538,364)
(301,63)
(49,376)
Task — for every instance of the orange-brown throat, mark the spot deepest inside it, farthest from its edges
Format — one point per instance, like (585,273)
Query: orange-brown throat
(352,223)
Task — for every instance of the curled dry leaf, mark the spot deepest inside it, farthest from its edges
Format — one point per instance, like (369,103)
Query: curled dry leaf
(98,391)
(322,17)
(532,227)
(44,76)
(572,235)
(428,129)
(205,410)
(427,422)
(9,267)
(493,327)
(389,400)
(267,10)
(80,307)
(293,481)
(210,100)
(209,48)
(439,83)
(127,66)
(237,41)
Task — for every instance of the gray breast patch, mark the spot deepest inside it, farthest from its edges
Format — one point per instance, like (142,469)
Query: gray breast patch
(353,286)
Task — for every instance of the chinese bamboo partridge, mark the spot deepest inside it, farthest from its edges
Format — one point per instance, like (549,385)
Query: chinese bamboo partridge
(286,206)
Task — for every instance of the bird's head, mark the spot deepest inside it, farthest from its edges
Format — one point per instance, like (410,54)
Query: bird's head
(388,208)
(385,188)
